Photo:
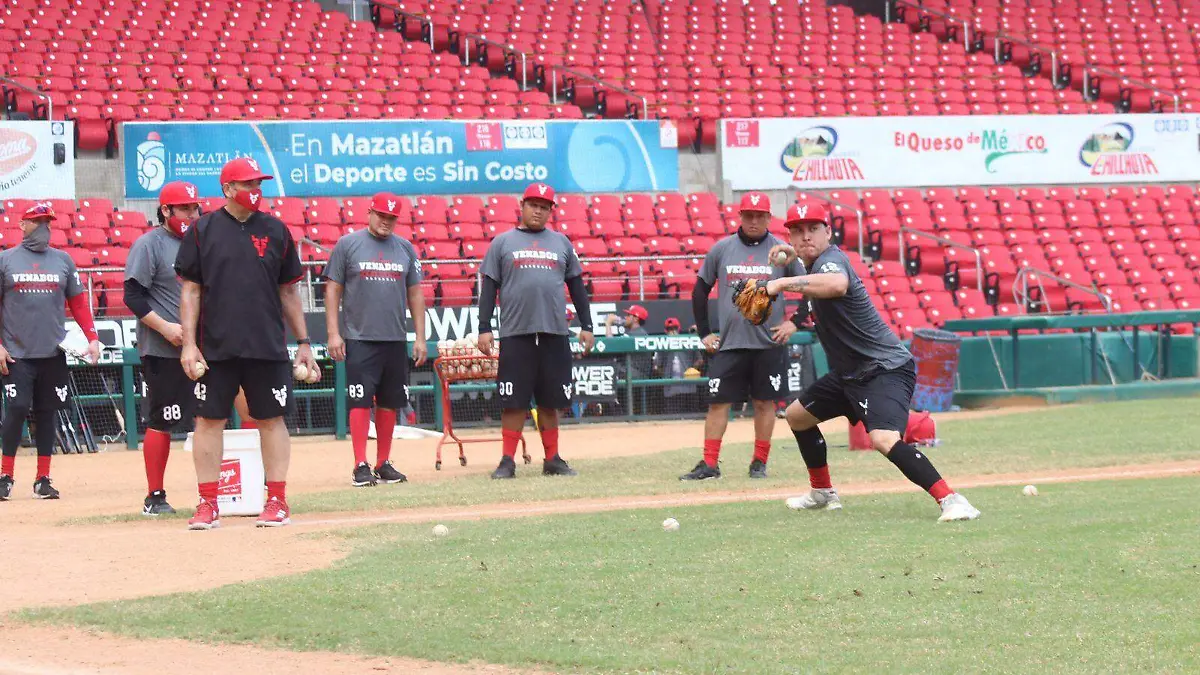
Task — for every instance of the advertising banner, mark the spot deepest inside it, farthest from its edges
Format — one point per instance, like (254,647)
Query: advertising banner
(27,168)
(342,159)
(594,380)
(861,152)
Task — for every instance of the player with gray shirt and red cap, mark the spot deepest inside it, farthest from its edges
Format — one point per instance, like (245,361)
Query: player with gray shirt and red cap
(750,361)
(36,282)
(374,275)
(871,374)
(528,266)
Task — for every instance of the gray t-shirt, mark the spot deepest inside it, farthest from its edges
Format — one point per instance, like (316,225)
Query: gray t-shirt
(731,259)
(531,269)
(376,275)
(152,264)
(33,295)
(857,341)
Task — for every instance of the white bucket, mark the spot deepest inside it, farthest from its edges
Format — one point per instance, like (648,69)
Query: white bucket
(241,489)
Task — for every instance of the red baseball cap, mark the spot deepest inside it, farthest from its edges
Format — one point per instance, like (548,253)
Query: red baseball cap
(806,213)
(755,201)
(40,211)
(671,322)
(539,191)
(178,193)
(386,203)
(638,311)
(242,169)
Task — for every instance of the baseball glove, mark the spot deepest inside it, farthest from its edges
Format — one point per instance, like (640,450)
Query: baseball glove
(751,299)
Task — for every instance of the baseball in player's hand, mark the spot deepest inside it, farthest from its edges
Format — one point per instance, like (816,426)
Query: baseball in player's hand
(712,343)
(485,343)
(420,352)
(783,331)
(782,255)
(190,358)
(336,347)
(587,340)
(5,359)
(305,355)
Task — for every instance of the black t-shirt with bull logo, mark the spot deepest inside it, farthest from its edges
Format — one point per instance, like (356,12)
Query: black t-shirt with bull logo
(240,267)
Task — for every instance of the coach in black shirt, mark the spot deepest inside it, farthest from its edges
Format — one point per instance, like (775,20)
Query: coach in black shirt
(239,268)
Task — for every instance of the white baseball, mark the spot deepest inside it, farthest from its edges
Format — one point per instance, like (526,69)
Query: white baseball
(300,372)
(794,503)
(1029,491)
(314,376)
(440,530)
(199,369)
(781,258)
(671,525)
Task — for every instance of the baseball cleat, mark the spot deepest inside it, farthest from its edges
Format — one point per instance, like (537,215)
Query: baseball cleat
(274,514)
(557,466)
(702,471)
(507,469)
(6,485)
(362,476)
(42,489)
(956,507)
(817,498)
(387,474)
(156,504)
(207,517)
(758,469)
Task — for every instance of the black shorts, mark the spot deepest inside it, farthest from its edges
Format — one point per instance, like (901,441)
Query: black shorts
(377,374)
(880,403)
(268,387)
(167,393)
(760,374)
(38,384)
(537,367)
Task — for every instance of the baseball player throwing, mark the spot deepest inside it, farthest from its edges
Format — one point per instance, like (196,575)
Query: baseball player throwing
(374,275)
(871,376)
(528,266)
(36,282)
(750,359)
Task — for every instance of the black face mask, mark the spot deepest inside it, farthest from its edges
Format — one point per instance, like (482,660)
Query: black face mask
(38,240)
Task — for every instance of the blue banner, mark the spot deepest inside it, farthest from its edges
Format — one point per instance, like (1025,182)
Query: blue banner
(343,159)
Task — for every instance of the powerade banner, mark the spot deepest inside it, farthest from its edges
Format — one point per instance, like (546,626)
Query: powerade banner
(850,152)
(594,380)
(341,159)
(27,168)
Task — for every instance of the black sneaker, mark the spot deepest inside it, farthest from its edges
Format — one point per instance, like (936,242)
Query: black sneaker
(363,476)
(42,489)
(6,483)
(387,474)
(702,472)
(557,466)
(156,504)
(758,469)
(507,469)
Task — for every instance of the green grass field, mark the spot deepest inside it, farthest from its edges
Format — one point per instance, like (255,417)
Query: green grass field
(1091,577)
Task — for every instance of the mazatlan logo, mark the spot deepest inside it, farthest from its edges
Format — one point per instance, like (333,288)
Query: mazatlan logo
(152,162)
(17,150)
(155,164)
(1107,153)
(809,158)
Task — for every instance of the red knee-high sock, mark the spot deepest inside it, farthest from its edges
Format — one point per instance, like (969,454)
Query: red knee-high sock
(360,424)
(940,490)
(208,492)
(249,423)
(277,490)
(156,448)
(8,465)
(819,478)
(550,442)
(43,466)
(385,423)
(510,439)
(712,451)
(762,450)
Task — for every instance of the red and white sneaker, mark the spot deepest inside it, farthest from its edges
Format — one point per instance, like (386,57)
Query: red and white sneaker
(275,514)
(207,517)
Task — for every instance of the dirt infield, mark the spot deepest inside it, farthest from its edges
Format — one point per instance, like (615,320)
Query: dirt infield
(128,560)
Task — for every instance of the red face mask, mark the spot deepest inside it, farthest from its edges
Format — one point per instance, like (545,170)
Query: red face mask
(179,225)
(250,200)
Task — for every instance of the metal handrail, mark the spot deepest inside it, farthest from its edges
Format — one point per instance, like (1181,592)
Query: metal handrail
(1088,69)
(1001,34)
(35,92)
(862,248)
(947,242)
(966,24)
(1022,279)
(576,73)
(478,37)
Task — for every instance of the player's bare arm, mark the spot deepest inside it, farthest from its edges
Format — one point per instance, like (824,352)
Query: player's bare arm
(171,331)
(333,302)
(822,286)
(189,316)
(416,305)
(293,314)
